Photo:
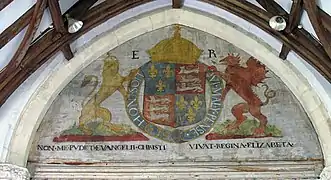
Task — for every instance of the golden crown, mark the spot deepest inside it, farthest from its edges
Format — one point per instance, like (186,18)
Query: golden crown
(175,50)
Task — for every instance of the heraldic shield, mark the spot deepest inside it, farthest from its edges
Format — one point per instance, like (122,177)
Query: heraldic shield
(174,94)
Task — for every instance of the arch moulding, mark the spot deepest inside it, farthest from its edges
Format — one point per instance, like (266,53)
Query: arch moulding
(40,101)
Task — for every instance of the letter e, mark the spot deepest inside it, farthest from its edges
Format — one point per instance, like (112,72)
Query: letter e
(135,54)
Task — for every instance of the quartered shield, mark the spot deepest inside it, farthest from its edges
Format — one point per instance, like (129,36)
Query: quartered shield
(174,94)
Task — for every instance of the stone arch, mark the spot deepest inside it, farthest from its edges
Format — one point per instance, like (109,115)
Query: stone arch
(41,100)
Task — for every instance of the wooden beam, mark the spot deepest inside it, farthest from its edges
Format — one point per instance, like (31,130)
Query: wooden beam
(295,15)
(298,40)
(100,13)
(58,24)
(303,46)
(273,7)
(326,19)
(284,52)
(52,36)
(177,4)
(302,35)
(10,32)
(56,15)
(8,72)
(4,3)
(77,10)
(293,22)
(246,7)
(94,11)
(53,41)
(67,52)
(33,26)
(23,47)
(323,35)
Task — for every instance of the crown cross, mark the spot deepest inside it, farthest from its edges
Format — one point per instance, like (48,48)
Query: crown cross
(177,29)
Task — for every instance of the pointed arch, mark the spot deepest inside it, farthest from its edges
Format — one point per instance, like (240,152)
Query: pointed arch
(40,101)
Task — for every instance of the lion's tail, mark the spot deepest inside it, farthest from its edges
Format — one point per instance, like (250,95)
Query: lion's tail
(87,80)
(268,93)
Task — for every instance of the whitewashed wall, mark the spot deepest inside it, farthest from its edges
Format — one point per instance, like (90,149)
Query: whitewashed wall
(10,112)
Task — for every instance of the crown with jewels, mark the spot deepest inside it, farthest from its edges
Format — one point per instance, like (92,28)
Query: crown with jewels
(175,50)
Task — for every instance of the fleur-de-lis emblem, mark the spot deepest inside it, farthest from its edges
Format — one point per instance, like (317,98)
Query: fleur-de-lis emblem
(196,103)
(160,86)
(181,103)
(152,72)
(167,71)
(190,115)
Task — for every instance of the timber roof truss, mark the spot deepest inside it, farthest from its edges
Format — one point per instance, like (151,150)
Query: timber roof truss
(32,54)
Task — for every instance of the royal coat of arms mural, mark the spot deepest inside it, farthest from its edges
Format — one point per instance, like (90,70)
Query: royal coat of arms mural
(175,91)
